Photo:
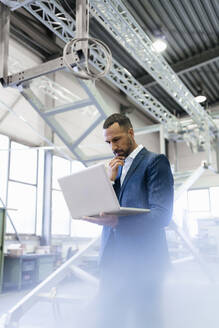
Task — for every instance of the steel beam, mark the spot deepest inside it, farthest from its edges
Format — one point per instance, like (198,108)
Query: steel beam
(55,126)
(9,3)
(187,65)
(93,159)
(4,39)
(75,105)
(47,199)
(12,106)
(148,129)
(47,12)
(83,275)
(19,117)
(116,19)
(72,145)
(51,66)
(190,180)
(86,132)
(20,4)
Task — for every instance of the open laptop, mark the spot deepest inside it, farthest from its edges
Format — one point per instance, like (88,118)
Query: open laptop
(90,192)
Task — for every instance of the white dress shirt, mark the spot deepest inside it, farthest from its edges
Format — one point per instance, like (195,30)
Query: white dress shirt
(128,162)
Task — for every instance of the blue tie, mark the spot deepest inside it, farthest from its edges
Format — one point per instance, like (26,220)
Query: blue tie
(117,185)
(119,172)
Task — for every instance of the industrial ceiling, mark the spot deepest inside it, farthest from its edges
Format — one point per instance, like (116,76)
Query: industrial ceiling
(190,28)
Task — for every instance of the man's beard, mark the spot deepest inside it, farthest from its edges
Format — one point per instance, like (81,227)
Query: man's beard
(125,153)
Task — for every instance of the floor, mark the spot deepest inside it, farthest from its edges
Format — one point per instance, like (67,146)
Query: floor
(190,300)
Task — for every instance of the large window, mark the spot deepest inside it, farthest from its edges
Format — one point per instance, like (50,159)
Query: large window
(22,201)
(23,163)
(202,204)
(214,195)
(60,214)
(22,189)
(22,192)
(199,202)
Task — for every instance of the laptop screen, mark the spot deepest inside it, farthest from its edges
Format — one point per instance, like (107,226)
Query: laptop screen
(89,192)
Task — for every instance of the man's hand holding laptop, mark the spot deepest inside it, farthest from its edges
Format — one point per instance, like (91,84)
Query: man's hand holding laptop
(103,219)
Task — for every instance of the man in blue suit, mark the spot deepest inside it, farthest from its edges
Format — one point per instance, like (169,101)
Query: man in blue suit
(134,254)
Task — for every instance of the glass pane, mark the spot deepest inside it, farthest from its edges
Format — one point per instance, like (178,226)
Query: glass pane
(54,95)
(200,215)
(194,219)
(61,167)
(60,215)
(214,196)
(192,224)
(180,209)
(76,122)
(76,166)
(94,143)
(84,229)
(23,165)
(198,200)
(22,198)
(4,144)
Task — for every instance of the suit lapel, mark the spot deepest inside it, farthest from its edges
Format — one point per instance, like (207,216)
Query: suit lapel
(132,168)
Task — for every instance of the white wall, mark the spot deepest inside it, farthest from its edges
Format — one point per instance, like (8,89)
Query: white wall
(188,161)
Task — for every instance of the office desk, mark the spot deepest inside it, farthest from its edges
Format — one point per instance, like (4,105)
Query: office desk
(26,270)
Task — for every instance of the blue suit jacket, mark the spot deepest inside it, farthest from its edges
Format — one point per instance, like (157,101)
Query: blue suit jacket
(137,246)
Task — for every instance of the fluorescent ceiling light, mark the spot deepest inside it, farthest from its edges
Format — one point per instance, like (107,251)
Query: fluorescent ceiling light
(200,98)
(159,45)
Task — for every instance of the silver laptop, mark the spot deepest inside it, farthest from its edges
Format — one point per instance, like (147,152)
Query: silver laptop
(90,192)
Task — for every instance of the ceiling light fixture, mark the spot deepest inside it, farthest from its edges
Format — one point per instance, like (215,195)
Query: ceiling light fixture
(201,97)
(159,45)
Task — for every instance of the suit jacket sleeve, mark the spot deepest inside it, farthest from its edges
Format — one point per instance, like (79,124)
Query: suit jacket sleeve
(159,181)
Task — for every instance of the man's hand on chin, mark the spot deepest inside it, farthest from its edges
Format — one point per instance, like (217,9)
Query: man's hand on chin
(103,219)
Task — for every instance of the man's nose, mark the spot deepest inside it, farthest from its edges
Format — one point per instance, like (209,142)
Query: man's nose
(114,147)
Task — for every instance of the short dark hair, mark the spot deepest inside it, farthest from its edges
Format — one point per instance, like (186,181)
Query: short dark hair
(121,119)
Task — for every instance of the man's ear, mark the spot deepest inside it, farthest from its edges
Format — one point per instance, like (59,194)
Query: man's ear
(131,132)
